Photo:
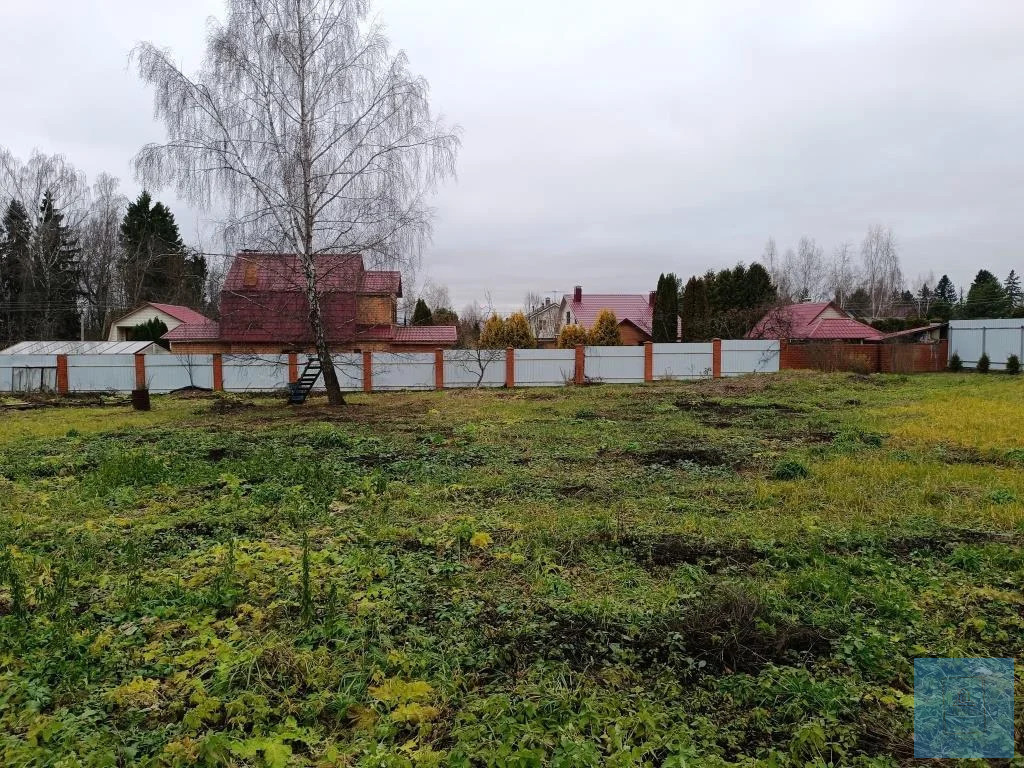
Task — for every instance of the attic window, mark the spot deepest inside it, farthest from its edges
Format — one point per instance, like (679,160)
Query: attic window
(251,276)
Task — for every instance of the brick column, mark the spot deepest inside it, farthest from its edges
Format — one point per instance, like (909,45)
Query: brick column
(293,367)
(367,371)
(648,361)
(140,371)
(510,367)
(62,375)
(581,362)
(716,358)
(218,372)
(438,369)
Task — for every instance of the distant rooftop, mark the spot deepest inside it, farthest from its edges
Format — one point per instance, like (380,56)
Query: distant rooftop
(83,348)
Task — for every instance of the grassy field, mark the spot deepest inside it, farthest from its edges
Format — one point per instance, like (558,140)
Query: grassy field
(733,572)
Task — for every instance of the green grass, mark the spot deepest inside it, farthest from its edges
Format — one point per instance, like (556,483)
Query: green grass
(736,572)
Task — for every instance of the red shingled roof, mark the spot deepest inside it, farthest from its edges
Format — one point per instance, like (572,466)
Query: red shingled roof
(812,320)
(426,334)
(206,331)
(282,272)
(185,314)
(636,308)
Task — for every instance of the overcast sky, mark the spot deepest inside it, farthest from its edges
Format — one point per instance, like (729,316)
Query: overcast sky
(607,142)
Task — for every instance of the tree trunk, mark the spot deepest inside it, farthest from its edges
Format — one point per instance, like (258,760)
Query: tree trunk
(323,351)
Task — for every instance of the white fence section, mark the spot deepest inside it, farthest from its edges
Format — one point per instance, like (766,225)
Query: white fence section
(544,367)
(403,370)
(683,361)
(166,373)
(28,373)
(998,338)
(254,373)
(464,367)
(740,356)
(101,373)
(349,368)
(615,365)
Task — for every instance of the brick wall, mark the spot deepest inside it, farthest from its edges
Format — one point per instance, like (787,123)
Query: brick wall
(865,358)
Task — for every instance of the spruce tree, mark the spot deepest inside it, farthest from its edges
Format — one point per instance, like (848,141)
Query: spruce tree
(155,267)
(666,309)
(1013,290)
(15,271)
(986,297)
(422,315)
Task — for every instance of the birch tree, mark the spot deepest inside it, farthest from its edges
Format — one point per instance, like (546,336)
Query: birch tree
(309,132)
(880,265)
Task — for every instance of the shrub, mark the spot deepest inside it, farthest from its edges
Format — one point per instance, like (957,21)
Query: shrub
(1013,364)
(605,332)
(955,363)
(493,334)
(513,331)
(571,335)
(983,364)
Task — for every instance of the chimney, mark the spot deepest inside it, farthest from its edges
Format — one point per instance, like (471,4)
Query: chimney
(577,293)
(651,297)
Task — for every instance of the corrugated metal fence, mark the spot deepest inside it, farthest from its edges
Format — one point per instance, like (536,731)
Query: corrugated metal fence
(389,370)
(997,338)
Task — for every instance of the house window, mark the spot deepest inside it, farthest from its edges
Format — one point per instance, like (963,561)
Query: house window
(568,318)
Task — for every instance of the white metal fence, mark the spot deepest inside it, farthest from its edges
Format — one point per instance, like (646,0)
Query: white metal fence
(998,338)
(390,370)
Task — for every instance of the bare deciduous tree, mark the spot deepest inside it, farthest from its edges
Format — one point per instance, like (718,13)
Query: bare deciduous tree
(309,131)
(807,270)
(841,278)
(100,254)
(880,266)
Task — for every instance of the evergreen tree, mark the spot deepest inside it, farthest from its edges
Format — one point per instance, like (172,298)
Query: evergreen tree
(666,309)
(54,276)
(422,315)
(605,332)
(155,265)
(986,297)
(1013,290)
(695,309)
(517,332)
(444,316)
(945,290)
(493,334)
(572,336)
(759,291)
(15,271)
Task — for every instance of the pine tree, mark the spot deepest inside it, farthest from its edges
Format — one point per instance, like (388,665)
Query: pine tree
(422,315)
(986,297)
(155,266)
(695,310)
(1013,290)
(15,271)
(945,290)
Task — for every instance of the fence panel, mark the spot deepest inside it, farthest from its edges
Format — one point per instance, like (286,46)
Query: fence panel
(254,373)
(403,370)
(101,373)
(740,356)
(465,367)
(544,367)
(166,373)
(997,337)
(683,361)
(348,366)
(615,365)
(28,373)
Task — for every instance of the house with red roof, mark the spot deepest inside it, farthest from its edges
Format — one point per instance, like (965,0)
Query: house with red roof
(264,310)
(634,311)
(813,321)
(171,315)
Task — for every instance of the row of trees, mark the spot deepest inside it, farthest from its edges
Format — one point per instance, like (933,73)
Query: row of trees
(72,256)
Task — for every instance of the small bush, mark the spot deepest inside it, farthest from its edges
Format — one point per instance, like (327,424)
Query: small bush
(790,469)
(983,364)
(1013,365)
(955,363)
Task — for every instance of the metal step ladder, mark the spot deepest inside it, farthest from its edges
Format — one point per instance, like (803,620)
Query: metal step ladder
(299,390)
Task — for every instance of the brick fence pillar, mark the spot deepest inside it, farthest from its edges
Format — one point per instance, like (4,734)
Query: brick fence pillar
(510,367)
(581,362)
(367,371)
(218,372)
(62,375)
(716,358)
(648,361)
(293,367)
(140,371)
(438,369)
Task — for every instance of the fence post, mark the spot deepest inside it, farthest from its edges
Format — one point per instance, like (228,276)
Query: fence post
(783,356)
(140,371)
(293,367)
(716,358)
(581,362)
(439,369)
(62,374)
(218,373)
(367,371)
(648,361)
(510,367)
